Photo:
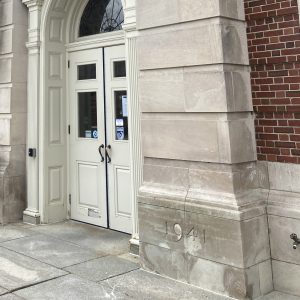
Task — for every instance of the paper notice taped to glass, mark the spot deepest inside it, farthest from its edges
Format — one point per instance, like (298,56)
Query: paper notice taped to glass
(124,106)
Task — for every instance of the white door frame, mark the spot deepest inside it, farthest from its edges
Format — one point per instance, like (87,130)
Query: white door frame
(50,25)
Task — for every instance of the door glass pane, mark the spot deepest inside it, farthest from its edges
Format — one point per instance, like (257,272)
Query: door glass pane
(121,115)
(119,68)
(87,115)
(85,72)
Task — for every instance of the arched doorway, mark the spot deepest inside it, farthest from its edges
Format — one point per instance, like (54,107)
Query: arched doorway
(59,28)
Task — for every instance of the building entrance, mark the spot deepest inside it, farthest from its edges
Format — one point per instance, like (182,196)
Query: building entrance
(99,160)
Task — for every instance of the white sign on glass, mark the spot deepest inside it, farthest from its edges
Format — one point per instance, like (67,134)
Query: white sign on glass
(124,106)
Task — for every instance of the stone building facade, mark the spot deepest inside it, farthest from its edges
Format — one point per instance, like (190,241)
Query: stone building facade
(214,144)
(13,108)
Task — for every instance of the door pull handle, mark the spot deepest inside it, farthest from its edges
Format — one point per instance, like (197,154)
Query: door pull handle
(100,152)
(107,155)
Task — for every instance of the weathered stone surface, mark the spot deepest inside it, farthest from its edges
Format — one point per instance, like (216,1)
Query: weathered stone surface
(13,123)
(11,232)
(281,244)
(286,277)
(280,296)
(18,98)
(265,277)
(17,166)
(195,44)
(241,132)
(5,67)
(3,291)
(17,271)
(156,226)
(263,175)
(198,138)
(103,268)
(94,238)
(197,177)
(143,285)
(18,125)
(136,284)
(284,177)
(50,250)
(153,13)
(5,131)
(5,99)
(10,297)
(234,243)
(255,240)
(164,261)
(165,175)
(14,190)
(285,204)
(6,12)
(20,14)
(19,74)
(217,91)
(67,287)
(233,282)
(6,41)
(202,89)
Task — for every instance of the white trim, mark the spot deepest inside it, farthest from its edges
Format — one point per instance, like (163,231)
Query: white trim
(98,41)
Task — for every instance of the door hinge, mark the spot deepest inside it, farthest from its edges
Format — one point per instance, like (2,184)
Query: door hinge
(68,64)
(70,199)
(69,129)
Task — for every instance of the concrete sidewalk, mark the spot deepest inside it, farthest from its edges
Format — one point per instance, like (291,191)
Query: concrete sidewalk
(77,261)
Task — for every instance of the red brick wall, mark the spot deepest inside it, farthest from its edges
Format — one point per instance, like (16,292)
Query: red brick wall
(274,50)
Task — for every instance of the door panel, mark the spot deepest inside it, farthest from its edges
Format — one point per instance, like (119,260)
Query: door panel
(122,182)
(119,180)
(88,188)
(99,116)
(87,171)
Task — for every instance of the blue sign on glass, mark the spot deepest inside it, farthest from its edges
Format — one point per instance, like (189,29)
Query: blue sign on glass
(95,134)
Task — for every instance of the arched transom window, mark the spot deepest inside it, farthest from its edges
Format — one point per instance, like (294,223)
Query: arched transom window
(101,16)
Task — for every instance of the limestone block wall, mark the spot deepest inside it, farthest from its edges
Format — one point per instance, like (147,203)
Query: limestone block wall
(13,73)
(202,217)
(281,184)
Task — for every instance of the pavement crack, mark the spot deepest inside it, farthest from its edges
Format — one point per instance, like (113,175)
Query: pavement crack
(114,276)
(36,283)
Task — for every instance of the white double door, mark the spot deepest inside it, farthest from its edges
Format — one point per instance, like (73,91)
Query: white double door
(100,182)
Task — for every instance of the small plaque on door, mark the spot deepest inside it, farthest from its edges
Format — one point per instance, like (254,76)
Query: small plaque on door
(93,213)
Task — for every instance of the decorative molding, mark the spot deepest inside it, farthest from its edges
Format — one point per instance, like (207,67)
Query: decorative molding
(32,213)
(97,41)
(135,129)
(33,45)
(32,3)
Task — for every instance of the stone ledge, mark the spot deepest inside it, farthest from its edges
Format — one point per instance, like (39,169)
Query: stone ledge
(228,206)
(285,204)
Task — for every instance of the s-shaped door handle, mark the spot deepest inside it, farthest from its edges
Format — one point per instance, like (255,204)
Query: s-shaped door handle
(107,155)
(100,152)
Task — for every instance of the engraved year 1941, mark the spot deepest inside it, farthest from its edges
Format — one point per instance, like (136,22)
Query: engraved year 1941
(177,231)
